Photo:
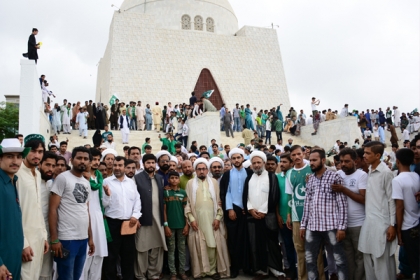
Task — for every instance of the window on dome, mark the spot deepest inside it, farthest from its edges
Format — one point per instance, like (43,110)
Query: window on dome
(198,23)
(210,24)
(186,22)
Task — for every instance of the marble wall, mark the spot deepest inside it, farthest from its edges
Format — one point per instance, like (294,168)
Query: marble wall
(32,118)
(144,62)
(204,128)
(343,129)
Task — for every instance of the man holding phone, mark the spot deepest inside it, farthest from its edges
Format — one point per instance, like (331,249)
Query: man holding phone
(69,217)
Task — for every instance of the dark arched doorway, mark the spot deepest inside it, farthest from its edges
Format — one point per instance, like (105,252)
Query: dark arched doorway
(206,82)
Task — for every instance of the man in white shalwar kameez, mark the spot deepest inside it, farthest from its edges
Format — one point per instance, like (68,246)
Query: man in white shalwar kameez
(397,116)
(81,121)
(140,116)
(377,239)
(29,190)
(207,236)
(93,264)
(124,123)
(67,116)
(56,119)
(47,168)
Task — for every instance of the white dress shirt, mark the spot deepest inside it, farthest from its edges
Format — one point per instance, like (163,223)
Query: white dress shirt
(124,201)
(259,188)
(109,145)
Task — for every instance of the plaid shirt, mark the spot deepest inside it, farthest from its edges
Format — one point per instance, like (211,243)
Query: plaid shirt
(324,209)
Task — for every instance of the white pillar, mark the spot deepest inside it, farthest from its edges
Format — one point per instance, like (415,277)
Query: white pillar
(32,118)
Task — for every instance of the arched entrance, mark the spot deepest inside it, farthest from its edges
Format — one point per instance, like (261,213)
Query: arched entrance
(206,82)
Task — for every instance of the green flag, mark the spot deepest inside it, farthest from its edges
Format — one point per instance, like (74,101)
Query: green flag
(112,100)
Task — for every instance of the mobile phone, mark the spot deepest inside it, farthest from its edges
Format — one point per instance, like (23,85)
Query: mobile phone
(65,252)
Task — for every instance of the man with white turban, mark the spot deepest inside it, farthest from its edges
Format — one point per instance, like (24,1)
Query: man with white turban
(216,168)
(231,192)
(162,160)
(173,163)
(207,236)
(260,200)
(108,156)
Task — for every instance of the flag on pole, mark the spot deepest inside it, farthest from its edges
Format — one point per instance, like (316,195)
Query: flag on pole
(112,100)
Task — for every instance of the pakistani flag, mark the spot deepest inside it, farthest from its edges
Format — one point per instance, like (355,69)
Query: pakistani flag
(112,100)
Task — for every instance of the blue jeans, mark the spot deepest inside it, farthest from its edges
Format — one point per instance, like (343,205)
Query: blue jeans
(133,123)
(268,137)
(185,141)
(313,242)
(71,268)
(237,124)
(260,131)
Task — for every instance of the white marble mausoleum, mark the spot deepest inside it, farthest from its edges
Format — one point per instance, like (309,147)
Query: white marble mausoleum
(162,50)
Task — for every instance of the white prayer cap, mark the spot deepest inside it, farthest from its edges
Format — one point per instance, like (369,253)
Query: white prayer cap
(246,163)
(102,146)
(258,154)
(161,153)
(236,151)
(219,160)
(107,152)
(192,155)
(201,160)
(174,159)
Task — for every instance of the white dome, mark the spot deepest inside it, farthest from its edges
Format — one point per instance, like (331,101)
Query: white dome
(197,15)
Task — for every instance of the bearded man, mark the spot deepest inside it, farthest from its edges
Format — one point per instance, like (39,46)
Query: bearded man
(260,200)
(207,236)
(47,168)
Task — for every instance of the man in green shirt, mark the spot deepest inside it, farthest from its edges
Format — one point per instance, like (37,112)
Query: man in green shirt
(284,216)
(11,230)
(296,186)
(278,126)
(187,170)
(169,142)
(131,112)
(146,142)
(242,115)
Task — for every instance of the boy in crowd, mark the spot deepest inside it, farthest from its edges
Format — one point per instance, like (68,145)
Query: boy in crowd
(176,226)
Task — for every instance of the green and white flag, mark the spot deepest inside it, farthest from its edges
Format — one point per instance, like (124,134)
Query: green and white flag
(112,100)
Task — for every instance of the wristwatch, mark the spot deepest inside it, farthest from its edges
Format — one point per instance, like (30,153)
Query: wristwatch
(165,224)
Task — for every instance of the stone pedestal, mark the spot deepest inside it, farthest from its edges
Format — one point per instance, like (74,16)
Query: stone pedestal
(204,128)
(32,118)
(343,129)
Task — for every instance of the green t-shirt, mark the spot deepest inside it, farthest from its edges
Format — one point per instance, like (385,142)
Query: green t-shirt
(183,181)
(285,202)
(278,125)
(242,113)
(175,202)
(296,186)
(220,155)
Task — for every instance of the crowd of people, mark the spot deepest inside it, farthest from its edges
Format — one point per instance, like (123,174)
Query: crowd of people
(210,211)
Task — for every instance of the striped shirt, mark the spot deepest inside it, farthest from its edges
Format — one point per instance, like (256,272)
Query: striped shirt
(324,209)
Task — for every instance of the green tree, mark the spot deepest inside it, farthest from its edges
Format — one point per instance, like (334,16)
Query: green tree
(9,120)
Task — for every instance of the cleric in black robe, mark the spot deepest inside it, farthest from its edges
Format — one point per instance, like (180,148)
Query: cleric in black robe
(32,46)
(260,199)
(231,190)
(99,119)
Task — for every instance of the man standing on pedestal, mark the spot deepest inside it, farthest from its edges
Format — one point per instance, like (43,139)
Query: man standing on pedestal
(32,46)
(150,254)
(29,190)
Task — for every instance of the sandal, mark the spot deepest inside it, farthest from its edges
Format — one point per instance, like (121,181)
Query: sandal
(173,277)
(401,276)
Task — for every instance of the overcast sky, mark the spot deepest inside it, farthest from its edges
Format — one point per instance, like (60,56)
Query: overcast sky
(361,52)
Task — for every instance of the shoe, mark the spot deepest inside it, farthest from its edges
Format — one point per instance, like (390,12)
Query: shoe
(260,277)
(215,276)
(334,276)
